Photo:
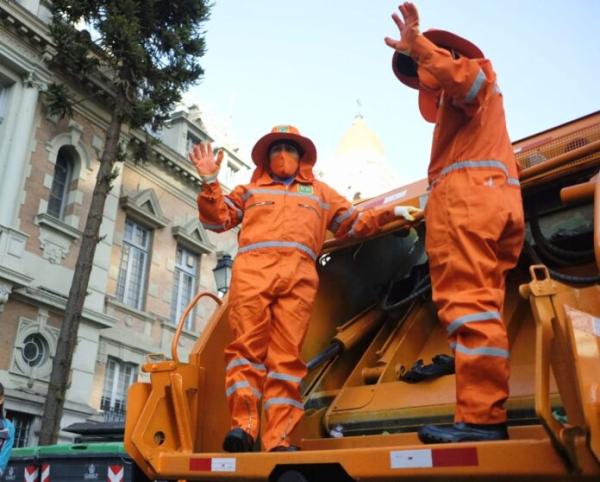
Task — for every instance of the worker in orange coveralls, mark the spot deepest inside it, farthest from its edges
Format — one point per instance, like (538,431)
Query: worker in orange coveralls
(286,213)
(474,216)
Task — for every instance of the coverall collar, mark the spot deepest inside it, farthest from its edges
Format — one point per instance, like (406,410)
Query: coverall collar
(265,179)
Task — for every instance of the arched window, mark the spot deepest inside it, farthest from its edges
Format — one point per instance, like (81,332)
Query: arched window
(63,172)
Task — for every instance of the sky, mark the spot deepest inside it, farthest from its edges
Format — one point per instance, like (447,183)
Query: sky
(307,62)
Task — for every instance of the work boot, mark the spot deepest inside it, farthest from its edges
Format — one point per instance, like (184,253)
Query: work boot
(238,441)
(462,432)
(284,448)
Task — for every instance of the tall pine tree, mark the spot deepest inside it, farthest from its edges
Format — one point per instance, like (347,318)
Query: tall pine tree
(145,53)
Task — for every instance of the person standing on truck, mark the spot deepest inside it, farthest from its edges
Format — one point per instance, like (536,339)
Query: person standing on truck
(7,435)
(474,216)
(286,213)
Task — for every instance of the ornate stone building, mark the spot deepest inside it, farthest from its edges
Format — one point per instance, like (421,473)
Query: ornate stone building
(154,254)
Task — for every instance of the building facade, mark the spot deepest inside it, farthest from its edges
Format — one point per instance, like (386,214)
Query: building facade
(153,257)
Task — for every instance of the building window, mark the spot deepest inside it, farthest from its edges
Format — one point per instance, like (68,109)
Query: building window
(134,263)
(60,184)
(117,379)
(35,350)
(22,422)
(186,272)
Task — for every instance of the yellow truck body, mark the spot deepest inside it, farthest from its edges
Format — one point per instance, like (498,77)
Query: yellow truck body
(361,418)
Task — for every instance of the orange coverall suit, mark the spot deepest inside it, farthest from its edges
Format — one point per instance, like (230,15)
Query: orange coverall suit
(273,287)
(475,226)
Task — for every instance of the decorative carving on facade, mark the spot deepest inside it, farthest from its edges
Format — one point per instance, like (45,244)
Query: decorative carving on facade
(34,348)
(56,238)
(33,80)
(53,252)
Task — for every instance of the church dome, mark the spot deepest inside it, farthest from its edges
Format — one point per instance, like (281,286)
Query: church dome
(359,168)
(359,138)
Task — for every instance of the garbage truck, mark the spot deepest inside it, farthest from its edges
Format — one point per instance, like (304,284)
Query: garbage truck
(372,327)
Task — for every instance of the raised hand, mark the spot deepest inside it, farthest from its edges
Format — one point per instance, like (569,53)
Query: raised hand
(409,28)
(203,158)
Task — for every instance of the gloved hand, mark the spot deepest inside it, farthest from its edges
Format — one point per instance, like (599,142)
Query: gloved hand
(203,158)
(406,212)
(409,29)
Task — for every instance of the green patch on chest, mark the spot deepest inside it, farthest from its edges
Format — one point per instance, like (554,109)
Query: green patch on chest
(305,189)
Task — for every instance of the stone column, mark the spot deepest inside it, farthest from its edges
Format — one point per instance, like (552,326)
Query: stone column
(17,157)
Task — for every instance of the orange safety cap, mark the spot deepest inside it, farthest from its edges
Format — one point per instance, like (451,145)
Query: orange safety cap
(260,151)
(405,68)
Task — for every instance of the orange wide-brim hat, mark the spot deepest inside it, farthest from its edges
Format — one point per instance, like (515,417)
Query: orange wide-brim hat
(260,151)
(405,68)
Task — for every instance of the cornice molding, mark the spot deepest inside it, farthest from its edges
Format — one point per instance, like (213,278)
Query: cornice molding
(44,297)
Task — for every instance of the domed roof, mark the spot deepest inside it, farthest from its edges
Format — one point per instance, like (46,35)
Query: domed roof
(359,168)
(359,138)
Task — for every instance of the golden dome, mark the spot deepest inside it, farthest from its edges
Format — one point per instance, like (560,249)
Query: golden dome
(359,138)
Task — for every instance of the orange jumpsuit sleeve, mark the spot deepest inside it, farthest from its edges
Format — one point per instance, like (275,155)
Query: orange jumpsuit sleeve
(219,212)
(347,220)
(466,81)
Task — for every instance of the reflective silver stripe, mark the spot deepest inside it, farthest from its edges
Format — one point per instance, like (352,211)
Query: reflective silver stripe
(242,361)
(284,401)
(482,316)
(236,386)
(278,244)
(476,87)
(281,192)
(487,351)
(213,226)
(284,376)
(239,212)
(513,181)
(340,218)
(474,164)
(239,385)
(352,233)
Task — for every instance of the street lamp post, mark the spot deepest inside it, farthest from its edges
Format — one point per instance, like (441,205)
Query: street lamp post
(222,273)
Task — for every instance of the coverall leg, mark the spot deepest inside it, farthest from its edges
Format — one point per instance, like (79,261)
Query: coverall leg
(271,298)
(250,297)
(474,236)
(291,312)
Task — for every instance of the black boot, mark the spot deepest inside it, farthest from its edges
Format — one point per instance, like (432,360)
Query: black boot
(462,432)
(238,441)
(283,448)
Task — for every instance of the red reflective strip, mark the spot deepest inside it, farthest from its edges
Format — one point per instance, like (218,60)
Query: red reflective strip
(200,464)
(454,457)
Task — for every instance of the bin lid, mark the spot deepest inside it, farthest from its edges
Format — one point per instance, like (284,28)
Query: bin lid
(24,452)
(82,449)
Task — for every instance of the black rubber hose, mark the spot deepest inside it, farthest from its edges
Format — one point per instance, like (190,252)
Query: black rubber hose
(551,251)
(420,288)
(331,351)
(567,278)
